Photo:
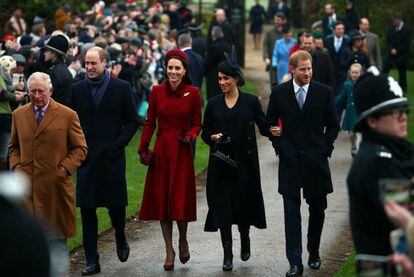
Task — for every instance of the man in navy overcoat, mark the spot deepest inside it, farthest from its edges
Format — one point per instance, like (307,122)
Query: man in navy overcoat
(310,126)
(107,113)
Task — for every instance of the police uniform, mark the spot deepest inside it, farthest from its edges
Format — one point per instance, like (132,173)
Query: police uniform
(379,157)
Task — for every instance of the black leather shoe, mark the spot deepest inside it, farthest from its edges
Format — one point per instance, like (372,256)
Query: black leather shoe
(122,250)
(314,263)
(91,269)
(295,270)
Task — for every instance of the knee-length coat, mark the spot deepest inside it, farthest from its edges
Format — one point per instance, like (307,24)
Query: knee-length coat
(38,150)
(170,192)
(108,127)
(247,191)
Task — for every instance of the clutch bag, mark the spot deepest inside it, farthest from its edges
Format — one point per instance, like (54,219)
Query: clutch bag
(226,159)
(222,157)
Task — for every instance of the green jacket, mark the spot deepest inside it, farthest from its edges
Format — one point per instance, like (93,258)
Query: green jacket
(271,36)
(5,97)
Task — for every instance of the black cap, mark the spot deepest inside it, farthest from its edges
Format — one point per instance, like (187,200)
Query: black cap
(354,35)
(374,94)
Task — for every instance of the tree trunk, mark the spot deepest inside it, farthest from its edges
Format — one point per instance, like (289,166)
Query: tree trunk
(296,13)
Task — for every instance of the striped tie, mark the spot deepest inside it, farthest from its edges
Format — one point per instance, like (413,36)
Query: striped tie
(39,116)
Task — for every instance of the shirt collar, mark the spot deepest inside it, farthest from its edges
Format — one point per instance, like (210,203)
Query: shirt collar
(44,108)
(296,87)
(185,48)
(400,26)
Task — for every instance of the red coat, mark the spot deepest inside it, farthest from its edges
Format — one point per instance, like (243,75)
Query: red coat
(170,192)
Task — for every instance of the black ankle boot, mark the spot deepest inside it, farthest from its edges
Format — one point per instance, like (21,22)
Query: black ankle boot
(227,242)
(122,247)
(245,243)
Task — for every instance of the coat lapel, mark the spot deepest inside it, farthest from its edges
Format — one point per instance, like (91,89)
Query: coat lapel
(31,118)
(50,115)
(309,98)
(291,98)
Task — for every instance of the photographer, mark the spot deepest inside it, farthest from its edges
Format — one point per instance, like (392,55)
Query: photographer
(402,218)
(384,153)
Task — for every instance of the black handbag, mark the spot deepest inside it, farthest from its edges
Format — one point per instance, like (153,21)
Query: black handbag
(222,157)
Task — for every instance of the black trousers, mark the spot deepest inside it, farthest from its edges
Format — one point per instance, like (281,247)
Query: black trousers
(90,230)
(293,227)
(402,72)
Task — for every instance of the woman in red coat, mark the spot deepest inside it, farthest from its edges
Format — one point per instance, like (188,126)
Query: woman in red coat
(170,193)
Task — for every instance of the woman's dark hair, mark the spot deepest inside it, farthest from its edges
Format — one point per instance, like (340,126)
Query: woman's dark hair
(286,29)
(234,71)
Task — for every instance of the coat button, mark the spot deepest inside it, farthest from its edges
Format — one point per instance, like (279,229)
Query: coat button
(302,152)
(251,122)
(249,152)
(249,137)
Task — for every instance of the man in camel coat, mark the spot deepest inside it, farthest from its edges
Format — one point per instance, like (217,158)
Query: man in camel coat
(47,145)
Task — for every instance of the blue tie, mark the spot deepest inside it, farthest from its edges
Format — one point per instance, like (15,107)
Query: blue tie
(301,97)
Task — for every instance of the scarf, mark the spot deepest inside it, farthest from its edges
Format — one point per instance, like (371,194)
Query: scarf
(98,86)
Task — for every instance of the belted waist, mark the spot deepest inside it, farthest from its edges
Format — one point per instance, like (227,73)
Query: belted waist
(180,132)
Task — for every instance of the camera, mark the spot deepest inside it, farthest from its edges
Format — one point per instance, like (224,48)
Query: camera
(399,190)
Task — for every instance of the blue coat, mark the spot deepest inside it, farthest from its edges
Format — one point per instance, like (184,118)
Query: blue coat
(195,67)
(346,97)
(108,128)
(281,57)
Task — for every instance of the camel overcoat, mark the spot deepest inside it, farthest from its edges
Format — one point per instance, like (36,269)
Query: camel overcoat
(38,150)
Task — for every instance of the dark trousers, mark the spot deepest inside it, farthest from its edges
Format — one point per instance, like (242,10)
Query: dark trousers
(402,72)
(293,227)
(90,230)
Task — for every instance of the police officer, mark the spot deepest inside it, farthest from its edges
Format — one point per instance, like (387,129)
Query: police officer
(384,152)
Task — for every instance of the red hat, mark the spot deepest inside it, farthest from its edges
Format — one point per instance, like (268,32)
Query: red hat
(8,37)
(177,54)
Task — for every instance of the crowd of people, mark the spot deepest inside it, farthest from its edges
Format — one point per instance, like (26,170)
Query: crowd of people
(63,83)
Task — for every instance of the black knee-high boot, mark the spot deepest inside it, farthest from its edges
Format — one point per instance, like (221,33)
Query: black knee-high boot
(244,242)
(227,241)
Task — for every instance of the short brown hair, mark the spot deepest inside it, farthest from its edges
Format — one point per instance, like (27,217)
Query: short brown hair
(300,55)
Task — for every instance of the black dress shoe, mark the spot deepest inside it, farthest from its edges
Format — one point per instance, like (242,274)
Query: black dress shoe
(122,250)
(314,263)
(91,269)
(295,270)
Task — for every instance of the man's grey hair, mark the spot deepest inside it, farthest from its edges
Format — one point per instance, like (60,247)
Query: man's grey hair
(40,76)
(217,32)
(184,40)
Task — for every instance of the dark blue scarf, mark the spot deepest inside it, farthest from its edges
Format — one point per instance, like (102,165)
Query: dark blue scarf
(98,86)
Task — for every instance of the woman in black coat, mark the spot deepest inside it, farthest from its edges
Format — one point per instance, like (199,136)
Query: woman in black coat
(358,50)
(234,193)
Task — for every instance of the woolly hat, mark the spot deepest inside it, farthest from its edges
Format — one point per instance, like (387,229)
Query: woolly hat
(7,64)
(176,54)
